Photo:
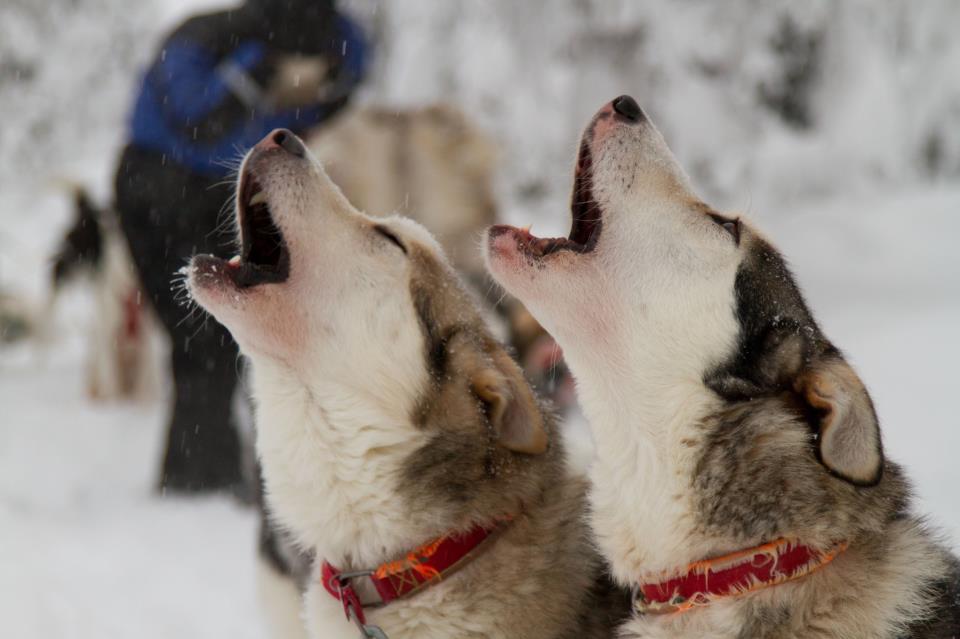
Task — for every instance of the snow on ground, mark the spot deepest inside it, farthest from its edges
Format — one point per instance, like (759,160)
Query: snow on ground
(865,203)
(87,548)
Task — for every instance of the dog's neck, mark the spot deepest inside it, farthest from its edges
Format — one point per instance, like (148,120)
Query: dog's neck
(331,459)
(642,426)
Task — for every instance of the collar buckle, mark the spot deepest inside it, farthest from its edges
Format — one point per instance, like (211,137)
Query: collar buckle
(405,577)
(339,583)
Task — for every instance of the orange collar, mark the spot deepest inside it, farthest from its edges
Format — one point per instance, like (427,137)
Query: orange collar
(732,575)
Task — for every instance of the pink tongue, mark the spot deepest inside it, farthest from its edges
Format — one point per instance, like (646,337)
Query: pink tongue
(234,262)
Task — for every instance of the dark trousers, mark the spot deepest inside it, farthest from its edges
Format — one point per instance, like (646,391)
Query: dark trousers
(168,214)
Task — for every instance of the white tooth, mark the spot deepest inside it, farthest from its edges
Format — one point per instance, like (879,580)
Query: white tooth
(234,261)
(259,198)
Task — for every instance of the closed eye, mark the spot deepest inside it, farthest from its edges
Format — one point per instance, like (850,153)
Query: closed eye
(730,226)
(385,232)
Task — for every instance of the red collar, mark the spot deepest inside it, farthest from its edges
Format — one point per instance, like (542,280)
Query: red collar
(402,578)
(731,575)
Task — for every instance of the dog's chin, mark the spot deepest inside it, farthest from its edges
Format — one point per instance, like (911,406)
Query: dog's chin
(238,278)
(264,320)
(521,261)
(212,285)
(223,289)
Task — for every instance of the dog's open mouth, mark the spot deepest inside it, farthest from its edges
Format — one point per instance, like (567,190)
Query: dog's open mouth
(264,257)
(585,212)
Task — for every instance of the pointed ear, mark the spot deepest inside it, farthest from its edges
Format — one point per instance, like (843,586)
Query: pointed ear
(511,407)
(849,435)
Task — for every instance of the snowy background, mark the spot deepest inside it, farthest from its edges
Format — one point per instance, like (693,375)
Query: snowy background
(834,125)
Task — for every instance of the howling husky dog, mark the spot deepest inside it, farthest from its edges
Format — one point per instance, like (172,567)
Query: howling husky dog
(399,442)
(736,450)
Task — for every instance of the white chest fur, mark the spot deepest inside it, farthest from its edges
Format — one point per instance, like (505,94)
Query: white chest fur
(331,463)
(641,502)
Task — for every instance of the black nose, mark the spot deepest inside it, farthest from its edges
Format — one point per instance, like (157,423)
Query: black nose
(628,108)
(289,142)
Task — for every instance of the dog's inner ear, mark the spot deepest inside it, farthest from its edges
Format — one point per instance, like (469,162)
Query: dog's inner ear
(510,405)
(849,442)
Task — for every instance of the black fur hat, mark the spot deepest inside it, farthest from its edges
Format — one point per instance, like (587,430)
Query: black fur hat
(301,26)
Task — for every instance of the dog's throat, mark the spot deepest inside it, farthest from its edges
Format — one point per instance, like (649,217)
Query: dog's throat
(732,575)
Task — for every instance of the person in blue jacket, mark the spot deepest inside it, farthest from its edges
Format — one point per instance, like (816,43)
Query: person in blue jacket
(214,89)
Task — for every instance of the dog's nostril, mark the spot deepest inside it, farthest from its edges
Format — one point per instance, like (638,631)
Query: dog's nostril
(289,142)
(628,108)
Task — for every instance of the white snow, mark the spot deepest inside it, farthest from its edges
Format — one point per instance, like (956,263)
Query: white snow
(86,548)
(869,224)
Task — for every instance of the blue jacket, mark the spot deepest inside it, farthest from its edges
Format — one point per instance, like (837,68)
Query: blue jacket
(193,109)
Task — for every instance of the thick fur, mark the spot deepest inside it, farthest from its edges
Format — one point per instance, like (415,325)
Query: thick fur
(387,415)
(723,417)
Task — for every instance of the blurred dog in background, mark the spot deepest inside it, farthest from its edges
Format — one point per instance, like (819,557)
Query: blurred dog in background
(120,362)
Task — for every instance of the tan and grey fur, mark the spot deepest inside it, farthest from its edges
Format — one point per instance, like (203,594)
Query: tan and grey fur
(120,359)
(723,417)
(388,415)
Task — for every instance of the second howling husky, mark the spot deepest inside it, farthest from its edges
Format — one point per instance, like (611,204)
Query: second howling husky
(739,487)
(400,443)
